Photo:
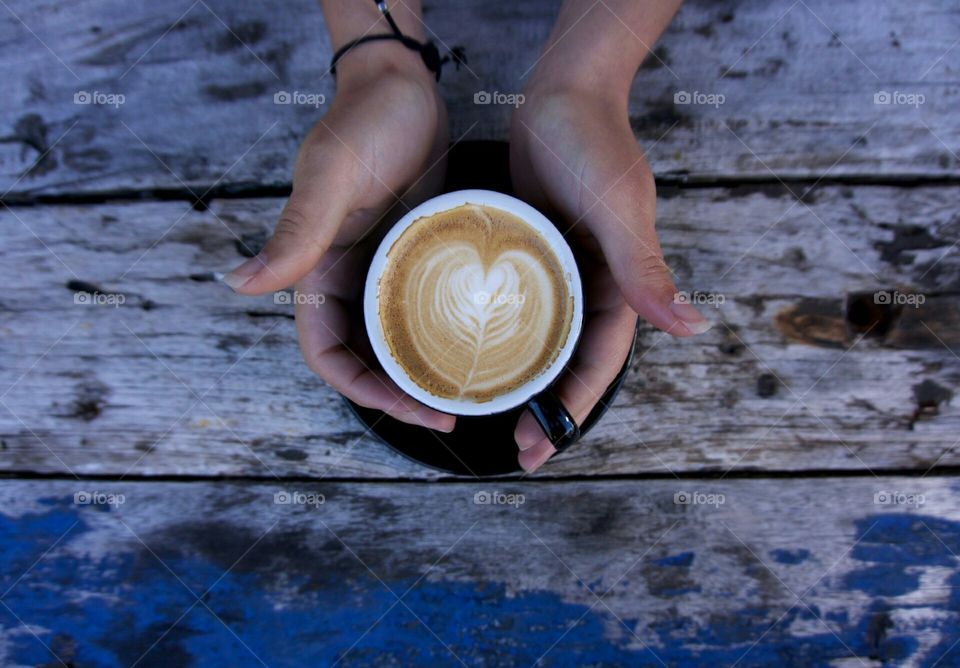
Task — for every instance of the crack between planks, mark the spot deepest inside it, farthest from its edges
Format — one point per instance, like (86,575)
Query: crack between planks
(266,191)
(715,476)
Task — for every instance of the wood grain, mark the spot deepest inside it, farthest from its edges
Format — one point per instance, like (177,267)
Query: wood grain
(749,573)
(797,82)
(806,376)
(802,371)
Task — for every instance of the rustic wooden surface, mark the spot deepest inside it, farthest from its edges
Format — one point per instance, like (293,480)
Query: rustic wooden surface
(816,431)
(187,378)
(420,574)
(199,80)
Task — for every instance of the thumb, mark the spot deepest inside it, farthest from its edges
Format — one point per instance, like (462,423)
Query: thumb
(623,223)
(306,228)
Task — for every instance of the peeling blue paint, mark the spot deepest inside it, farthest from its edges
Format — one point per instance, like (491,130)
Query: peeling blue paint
(907,540)
(883,580)
(790,557)
(129,600)
(897,546)
(684,559)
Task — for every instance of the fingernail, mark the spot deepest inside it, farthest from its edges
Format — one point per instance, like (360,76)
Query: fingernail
(242,274)
(528,433)
(441,425)
(433,421)
(541,460)
(691,318)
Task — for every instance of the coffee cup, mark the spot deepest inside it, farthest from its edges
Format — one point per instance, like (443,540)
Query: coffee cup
(474,306)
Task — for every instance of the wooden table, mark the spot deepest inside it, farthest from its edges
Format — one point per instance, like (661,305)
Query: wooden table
(180,490)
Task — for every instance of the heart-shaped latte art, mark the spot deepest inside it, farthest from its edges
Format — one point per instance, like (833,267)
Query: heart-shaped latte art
(479,325)
(474,309)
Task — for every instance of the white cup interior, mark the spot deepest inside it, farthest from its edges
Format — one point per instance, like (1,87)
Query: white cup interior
(371,311)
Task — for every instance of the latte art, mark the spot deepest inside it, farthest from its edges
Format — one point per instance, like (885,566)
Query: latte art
(473,303)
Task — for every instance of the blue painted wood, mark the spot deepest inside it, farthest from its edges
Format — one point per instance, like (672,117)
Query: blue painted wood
(224,576)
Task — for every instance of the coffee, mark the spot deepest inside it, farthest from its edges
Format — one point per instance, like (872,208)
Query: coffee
(473,303)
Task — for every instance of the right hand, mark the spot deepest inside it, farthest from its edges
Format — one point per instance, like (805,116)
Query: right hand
(377,152)
(574,154)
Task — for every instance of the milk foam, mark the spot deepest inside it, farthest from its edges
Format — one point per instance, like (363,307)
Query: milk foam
(473,303)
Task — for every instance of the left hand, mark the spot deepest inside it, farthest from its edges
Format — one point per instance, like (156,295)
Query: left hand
(574,156)
(377,151)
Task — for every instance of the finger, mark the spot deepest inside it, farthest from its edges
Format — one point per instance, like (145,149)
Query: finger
(623,222)
(324,332)
(604,346)
(535,457)
(322,196)
(304,232)
(343,370)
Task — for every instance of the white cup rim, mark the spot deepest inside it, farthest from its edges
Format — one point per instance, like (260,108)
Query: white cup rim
(371,312)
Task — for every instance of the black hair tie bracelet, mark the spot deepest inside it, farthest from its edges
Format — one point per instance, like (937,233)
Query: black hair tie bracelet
(427,50)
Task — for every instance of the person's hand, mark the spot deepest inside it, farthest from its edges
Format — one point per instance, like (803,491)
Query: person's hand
(383,138)
(574,155)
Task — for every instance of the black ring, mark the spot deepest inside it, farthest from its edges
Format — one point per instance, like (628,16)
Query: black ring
(554,419)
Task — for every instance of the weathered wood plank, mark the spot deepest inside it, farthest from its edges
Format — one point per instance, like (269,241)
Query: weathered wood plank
(798,82)
(756,573)
(187,378)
